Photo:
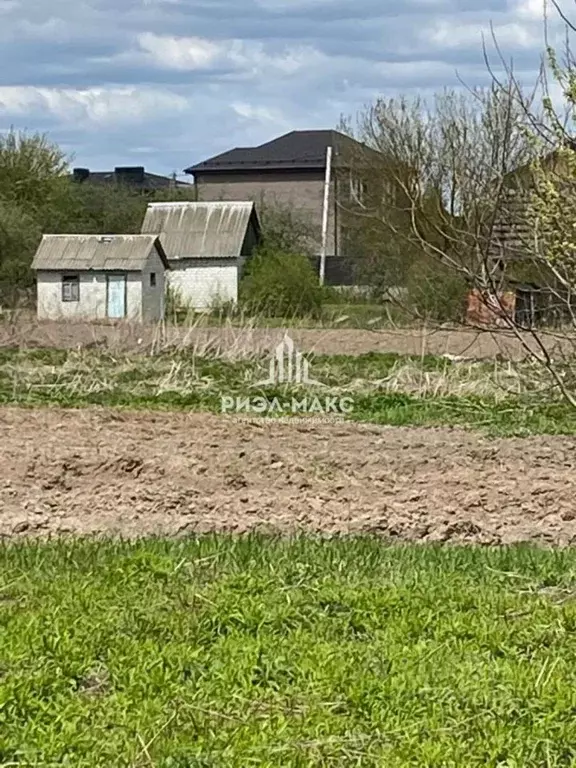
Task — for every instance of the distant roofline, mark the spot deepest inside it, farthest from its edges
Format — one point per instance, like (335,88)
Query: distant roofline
(229,163)
(127,174)
(294,164)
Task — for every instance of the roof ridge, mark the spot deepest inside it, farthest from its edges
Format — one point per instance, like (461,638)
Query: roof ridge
(97,234)
(191,203)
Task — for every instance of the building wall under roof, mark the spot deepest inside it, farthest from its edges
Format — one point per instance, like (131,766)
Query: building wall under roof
(144,301)
(303,191)
(152,296)
(92,299)
(203,283)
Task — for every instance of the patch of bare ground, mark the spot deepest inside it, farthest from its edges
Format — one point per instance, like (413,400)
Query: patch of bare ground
(136,474)
(246,340)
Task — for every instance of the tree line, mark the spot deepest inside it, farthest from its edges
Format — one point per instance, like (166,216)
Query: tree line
(38,195)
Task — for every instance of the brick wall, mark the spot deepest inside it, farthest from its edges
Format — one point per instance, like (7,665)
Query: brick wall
(204,283)
(490,311)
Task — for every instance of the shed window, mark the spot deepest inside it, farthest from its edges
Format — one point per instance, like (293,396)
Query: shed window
(152,279)
(70,288)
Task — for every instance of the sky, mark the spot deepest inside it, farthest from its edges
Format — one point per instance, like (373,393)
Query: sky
(168,83)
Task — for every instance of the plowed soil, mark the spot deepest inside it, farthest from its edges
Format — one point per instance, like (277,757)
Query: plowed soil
(135,474)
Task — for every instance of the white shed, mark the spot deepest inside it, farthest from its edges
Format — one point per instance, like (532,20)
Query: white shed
(95,277)
(207,245)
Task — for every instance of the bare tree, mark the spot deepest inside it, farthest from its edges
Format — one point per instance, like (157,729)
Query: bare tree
(444,177)
(479,187)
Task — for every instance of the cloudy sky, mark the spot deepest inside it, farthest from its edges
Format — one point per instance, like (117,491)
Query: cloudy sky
(167,83)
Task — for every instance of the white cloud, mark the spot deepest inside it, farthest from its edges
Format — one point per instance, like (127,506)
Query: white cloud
(99,106)
(195,53)
(452,34)
(180,53)
(533,10)
(260,114)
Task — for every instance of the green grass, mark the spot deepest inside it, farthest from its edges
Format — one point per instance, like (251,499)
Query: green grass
(385,388)
(267,652)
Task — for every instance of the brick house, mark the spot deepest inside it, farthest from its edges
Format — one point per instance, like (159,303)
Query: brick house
(290,171)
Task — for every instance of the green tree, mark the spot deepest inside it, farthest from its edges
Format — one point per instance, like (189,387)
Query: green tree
(101,208)
(33,191)
(280,284)
(285,229)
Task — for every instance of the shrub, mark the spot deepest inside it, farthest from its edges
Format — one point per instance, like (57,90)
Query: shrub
(285,228)
(281,284)
(435,292)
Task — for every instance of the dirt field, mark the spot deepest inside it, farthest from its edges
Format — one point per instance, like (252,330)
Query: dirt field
(472,344)
(138,474)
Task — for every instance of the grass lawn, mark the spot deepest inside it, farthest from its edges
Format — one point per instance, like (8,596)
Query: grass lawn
(265,652)
(385,388)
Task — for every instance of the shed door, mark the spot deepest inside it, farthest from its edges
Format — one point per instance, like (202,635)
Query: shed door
(116,295)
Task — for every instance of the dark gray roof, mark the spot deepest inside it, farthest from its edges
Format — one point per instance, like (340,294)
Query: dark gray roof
(76,253)
(201,230)
(135,177)
(297,150)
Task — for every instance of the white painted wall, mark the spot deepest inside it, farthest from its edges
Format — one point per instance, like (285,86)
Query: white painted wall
(92,303)
(203,282)
(133,296)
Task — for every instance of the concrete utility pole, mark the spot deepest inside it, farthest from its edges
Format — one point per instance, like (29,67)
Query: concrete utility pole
(325,211)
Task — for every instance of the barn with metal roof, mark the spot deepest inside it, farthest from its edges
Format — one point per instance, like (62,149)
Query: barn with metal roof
(99,277)
(207,245)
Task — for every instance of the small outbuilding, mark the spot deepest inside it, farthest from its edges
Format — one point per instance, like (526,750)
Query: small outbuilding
(207,245)
(99,277)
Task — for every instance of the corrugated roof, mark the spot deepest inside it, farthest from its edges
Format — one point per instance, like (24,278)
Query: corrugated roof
(201,230)
(74,253)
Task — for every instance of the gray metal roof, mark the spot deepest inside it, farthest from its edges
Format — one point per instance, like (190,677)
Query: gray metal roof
(74,253)
(201,230)
(295,150)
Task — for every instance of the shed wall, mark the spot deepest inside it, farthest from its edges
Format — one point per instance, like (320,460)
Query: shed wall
(202,283)
(92,298)
(153,296)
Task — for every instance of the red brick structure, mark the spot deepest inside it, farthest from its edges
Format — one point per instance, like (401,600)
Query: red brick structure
(490,309)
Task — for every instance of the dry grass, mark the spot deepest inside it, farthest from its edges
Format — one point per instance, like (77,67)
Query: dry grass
(457,379)
(257,335)
(238,368)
